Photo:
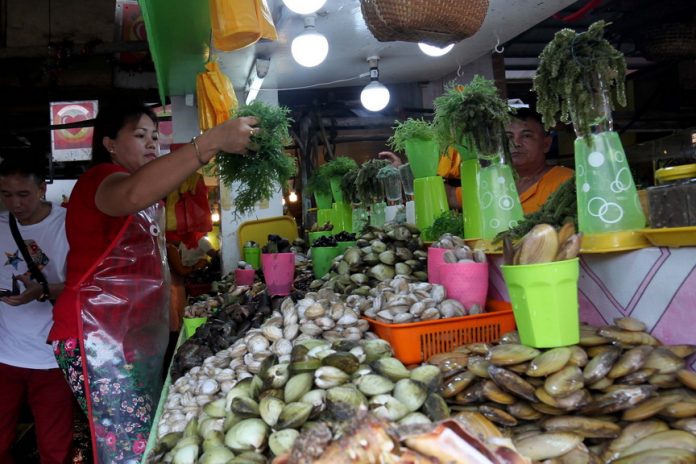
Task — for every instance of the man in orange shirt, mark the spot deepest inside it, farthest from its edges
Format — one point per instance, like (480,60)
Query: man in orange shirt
(529,144)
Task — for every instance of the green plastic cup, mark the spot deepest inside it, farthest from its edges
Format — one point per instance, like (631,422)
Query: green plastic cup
(499,202)
(192,323)
(336,189)
(323,200)
(360,218)
(312,236)
(325,215)
(378,214)
(321,260)
(423,157)
(607,196)
(471,212)
(343,217)
(431,202)
(544,300)
(343,246)
(252,255)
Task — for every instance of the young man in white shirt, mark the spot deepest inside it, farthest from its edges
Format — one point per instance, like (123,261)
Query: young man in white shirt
(28,367)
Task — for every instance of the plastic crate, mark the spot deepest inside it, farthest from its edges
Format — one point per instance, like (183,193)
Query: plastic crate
(416,342)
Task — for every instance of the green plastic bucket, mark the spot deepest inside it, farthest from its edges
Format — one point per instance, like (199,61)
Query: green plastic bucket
(336,189)
(312,236)
(343,246)
(544,300)
(423,157)
(431,202)
(252,255)
(323,200)
(325,215)
(192,323)
(343,217)
(321,260)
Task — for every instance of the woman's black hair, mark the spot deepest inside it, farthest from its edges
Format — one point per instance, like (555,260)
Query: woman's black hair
(112,117)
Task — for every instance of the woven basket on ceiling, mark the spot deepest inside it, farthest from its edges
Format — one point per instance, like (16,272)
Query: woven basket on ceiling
(437,22)
(668,41)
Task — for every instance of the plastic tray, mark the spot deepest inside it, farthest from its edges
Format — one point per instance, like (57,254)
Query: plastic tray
(416,342)
(258,230)
(672,236)
(609,242)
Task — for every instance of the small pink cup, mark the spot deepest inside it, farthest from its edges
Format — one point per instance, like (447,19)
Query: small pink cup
(435,260)
(244,276)
(466,282)
(278,272)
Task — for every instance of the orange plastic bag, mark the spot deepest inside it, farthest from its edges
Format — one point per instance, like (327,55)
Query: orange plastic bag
(268,30)
(235,24)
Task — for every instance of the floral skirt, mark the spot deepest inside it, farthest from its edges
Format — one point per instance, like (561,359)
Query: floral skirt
(125,412)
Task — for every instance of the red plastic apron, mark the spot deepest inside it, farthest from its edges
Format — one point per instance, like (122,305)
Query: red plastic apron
(124,329)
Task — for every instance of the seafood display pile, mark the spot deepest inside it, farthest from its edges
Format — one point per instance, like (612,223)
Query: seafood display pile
(401,300)
(318,315)
(379,255)
(319,380)
(619,396)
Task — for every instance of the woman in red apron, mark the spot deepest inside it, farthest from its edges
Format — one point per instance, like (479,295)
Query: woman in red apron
(111,322)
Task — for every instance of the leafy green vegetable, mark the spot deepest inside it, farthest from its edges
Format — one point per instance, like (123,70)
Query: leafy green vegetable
(318,183)
(387,172)
(574,70)
(266,168)
(410,129)
(348,185)
(369,188)
(474,113)
(560,207)
(448,222)
(338,167)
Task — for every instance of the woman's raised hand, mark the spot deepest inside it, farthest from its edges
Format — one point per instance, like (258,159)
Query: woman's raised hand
(234,135)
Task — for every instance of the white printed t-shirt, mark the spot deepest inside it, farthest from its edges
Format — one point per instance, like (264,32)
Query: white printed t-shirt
(23,329)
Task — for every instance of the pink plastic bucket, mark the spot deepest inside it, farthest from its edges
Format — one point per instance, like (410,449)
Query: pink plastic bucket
(278,271)
(434,262)
(244,276)
(466,282)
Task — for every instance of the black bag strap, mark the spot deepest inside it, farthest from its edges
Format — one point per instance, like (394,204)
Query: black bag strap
(36,273)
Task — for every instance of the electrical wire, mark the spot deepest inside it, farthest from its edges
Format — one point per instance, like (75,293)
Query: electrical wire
(359,76)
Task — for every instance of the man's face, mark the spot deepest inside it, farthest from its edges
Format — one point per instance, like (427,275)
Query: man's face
(21,195)
(528,143)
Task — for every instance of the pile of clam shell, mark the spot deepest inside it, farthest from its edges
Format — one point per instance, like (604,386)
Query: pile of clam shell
(458,251)
(400,301)
(618,396)
(318,315)
(319,381)
(379,255)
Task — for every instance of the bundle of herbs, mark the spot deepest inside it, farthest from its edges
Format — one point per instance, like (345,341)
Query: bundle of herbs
(369,188)
(573,69)
(561,207)
(318,183)
(474,113)
(449,222)
(348,185)
(260,173)
(338,167)
(408,130)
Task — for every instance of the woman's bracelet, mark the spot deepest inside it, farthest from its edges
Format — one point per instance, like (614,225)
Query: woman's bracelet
(194,142)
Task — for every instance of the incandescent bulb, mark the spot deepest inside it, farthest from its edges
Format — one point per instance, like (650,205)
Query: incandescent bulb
(304,6)
(310,48)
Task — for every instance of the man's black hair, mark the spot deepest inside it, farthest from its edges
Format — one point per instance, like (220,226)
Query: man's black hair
(525,114)
(26,164)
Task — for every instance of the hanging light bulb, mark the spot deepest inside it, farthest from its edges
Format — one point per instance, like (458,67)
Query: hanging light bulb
(374,96)
(432,50)
(304,6)
(292,197)
(310,48)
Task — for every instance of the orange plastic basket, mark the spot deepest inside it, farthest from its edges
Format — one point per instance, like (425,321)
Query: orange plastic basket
(416,342)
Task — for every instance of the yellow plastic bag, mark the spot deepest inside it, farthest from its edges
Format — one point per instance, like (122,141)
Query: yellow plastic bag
(216,98)
(235,23)
(268,30)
